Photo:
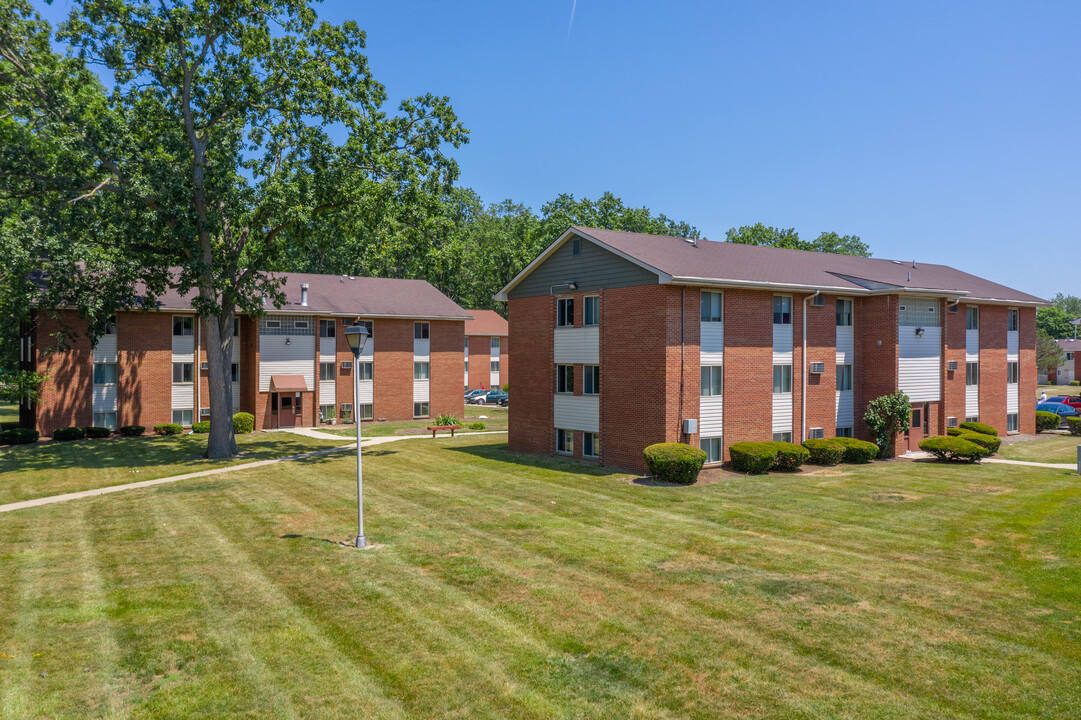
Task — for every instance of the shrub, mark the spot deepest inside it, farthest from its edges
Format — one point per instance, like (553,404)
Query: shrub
(1074,425)
(97,432)
(857,452)
(243,423)
(753,457)
(131,430)
(446,419)
(18,436)
(201,427)
(789,455)
(477,426)
(887,416)
(168,429)
(988,442)
(674,462)
(69,433)
(823,452)
(1075,382)
(1046,421)
(953,449)
(980,428)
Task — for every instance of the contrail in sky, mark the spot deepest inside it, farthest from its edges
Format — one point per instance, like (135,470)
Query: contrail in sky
(574,4)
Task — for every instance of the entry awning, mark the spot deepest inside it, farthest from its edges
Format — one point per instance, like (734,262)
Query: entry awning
(288,383)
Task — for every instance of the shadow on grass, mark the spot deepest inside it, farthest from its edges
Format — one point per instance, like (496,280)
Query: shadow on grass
(498,452)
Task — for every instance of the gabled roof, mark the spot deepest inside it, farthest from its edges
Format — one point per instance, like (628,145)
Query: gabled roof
(486,322)
(724,264)
(1070,345)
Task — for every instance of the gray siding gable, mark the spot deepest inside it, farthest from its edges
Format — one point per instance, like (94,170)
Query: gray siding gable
(594,269)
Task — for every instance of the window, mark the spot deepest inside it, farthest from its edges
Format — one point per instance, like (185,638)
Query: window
(712,380)
(844,431)
(972,418)
(466,346)
(467,367)
(272,324)
(565,379)
(782,378)
(234,369)
(972,373)
(591,310)
(1069,356)
(347,411)
(326,412)
(236,327)
(591,379)
(844,313)
(105,374)
(366,324)
(565,312)
(421,331)
(782,436)
(105,420)
(366,411)
(1011,373)
(326,371)
(591,445)
(420,371)
(110,329)
(844,377)
(972,318)
(712,307)
(495,366)
(714,448)
(1012,319)
(183,372)
(1012,424)
(183,324)
(576,246)
(782,310)
(564,441)
(326,330)
(495,346)
(420,409)
(182,417)
(364,371)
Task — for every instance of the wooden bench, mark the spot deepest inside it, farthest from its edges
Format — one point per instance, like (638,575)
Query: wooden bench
(436,428)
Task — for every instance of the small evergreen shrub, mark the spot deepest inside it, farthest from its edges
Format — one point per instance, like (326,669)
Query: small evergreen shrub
(18,436)
(69,433)
(506,388)
(789,455)
(131,430)
(674,462)
(97,432)
(243,423)
(753,457)
(1074,425)
(823,452)
(202,427)
(980,428)
(1046,421)
(168,429)
(953,449)
(1075,383)
(857,452)
(446,419)
(477,426)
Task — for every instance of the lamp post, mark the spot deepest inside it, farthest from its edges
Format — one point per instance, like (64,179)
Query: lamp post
(357,336)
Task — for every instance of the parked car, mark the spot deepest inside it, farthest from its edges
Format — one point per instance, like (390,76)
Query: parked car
(474,393)
(1073,401)
(504,401)
(1061,409)
(490,397)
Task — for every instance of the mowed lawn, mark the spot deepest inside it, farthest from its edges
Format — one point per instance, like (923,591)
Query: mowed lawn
(493,416)
(1047,449)
(33,471)
(547,589)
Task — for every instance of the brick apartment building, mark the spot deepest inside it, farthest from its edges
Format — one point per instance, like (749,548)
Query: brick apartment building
(622,340)
(487,347)
(291,366)
(1067,371)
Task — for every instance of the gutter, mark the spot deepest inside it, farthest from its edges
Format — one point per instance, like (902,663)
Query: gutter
(803,372)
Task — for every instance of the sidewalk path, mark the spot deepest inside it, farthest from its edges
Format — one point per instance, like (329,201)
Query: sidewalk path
(231,468)
(920,455)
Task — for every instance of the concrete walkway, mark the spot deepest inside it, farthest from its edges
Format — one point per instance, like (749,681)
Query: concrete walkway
(313,433)
(920,455)
(230,468)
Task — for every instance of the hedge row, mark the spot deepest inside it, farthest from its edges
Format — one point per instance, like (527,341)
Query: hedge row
(674,462)
(18,436)
(1046,421)
(758,457)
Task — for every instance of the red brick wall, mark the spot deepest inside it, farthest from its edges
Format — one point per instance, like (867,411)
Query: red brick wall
(343,387)
(392,370)
(953,382)
(144,369)
(480,355)
(66,394)
(1027,383)
(748,366)
(821,347)
(993,367)
(447,368)
(875,338)
(532,378)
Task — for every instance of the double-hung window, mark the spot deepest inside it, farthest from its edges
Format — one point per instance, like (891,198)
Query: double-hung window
(326,330)
(712,380)
(1012,319)
(326,371)
(105,373)
(105,419)
(782,310)
(183,325)
(420,409)
(712,307)
(183,373)
(564,441)
(591,379)
(565,379)
(1012,373)
(591,310)
(364,371)
(420,371)
(972,373)
(495,346)
(1012,423)
(421,331)
(714,448)
(972,318)
(565,312)
(494,366)
(844,377)
(844,313)
(782,378)
(234,371)
(182,417)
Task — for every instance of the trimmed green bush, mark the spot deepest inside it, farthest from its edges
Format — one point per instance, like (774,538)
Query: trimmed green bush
(857,452)
(506,388)
(980,428)
(953,449)
(446,419)
(1074,425)
(1046,421)
(1075,383)
(18,436)
(789,455)
(97,432)
(131,430)
(823,452)
(753,458)
(987,442)
(202,427)
(477,426)
(674,462)
(243,423)
(69,433)
(168,429)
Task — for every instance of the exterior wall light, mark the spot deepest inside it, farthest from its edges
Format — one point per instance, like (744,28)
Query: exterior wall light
(288,341)
(919,332)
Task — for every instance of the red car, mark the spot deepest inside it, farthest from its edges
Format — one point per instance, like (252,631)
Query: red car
(1073,401)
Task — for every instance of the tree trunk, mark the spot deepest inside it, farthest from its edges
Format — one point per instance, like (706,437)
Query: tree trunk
(218,331)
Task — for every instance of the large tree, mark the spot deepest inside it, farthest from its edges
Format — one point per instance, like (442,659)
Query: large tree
(227,131)
(767,236)
(1055,322)
(1048,353)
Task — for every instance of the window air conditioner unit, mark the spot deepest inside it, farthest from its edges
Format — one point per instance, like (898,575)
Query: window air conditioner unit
(204,366)
(347,365)
(951,365)
(204,412)
(818,301)
(951,422)
(817,433)
(818,368)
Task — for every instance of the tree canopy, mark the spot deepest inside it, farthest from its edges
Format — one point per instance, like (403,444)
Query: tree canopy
(1048,352)
(830,242)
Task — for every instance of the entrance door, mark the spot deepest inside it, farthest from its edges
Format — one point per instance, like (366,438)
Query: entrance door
(915,432)
(286,412)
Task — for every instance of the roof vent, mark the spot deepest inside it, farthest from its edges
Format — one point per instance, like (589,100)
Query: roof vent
(304,294)
(692,241)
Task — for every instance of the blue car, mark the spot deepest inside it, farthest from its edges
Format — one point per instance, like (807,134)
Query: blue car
(1061,409)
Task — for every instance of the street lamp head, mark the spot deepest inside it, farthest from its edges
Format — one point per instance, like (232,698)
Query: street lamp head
(357,336)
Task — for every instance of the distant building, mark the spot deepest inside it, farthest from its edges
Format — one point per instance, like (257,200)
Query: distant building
(1067,371)
(487,351)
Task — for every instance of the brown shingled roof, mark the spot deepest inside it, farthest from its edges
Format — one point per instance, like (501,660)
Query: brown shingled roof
(1067,345)
(486,322)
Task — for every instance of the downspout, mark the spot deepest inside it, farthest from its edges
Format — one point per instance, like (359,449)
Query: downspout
(682,345)
(198,372)
(803,371)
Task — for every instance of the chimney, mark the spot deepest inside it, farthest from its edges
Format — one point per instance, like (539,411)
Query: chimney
(304,294)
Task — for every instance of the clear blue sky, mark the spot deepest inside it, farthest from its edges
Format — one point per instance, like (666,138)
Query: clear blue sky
(937,131)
